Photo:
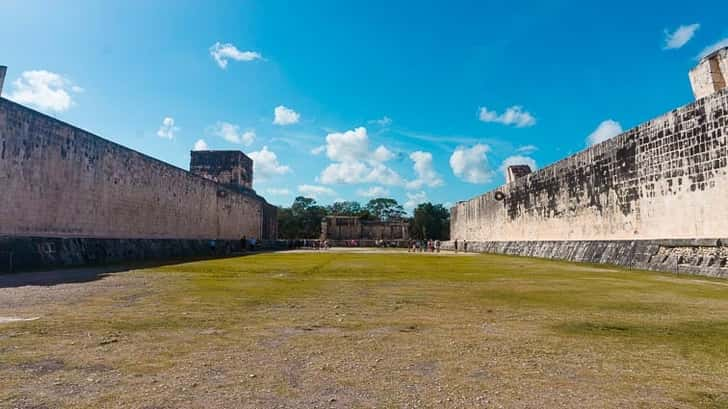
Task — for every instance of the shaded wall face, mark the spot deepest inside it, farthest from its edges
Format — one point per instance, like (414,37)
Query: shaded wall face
(60,181)
(666,178)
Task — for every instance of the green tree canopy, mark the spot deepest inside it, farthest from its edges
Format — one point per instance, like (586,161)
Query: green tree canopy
(344,209)
(302,220)
(430,222)
(385,209)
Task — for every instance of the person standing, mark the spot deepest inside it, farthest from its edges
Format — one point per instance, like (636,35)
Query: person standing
(465,246)
(456,245)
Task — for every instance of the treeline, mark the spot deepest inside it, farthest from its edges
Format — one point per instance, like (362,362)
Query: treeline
(303,219)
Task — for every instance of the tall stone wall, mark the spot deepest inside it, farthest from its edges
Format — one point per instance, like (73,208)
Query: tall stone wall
(665,179)
(59,181)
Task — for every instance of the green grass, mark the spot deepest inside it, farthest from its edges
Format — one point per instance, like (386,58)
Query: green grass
(520,326)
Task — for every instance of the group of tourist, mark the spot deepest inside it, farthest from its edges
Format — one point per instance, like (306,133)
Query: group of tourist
(420,246)
(461,245)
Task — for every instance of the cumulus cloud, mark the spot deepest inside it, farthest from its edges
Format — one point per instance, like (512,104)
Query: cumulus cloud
(680,36)
(526,149)
(318,150)
(200,145)
(607,129)
(514,115)
(471,164)
(414,199)
(517,160)
(355,163)
(348,146)
(383,122)
(278,191)
(221,53)
(168,129)
(373,192)
(382,154)
(285,116)
(232,133)
(44,90)
(426,174)
(266,165)
(316,192)
(713,47)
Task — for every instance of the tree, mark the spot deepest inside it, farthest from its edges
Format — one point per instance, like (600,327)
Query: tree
(302,220)
(430,222)
(385,209)
(344,209)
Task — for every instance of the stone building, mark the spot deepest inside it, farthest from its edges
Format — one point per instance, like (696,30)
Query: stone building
(711,74)
(654,197)
(71,197)
(230,168)
(338,228)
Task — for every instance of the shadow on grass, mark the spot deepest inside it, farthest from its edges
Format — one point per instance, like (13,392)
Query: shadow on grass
(83,274)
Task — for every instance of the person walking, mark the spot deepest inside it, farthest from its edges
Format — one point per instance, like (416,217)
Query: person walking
(456,245)
(465,246)
(437,245)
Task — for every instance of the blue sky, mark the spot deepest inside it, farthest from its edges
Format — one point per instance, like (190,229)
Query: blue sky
(411,100)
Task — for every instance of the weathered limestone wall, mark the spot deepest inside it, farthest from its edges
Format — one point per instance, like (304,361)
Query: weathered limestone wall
(59,181)
(665,179)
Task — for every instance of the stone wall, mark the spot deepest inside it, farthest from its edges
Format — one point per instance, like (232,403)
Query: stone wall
(665,179)
(707,257)
(60,181)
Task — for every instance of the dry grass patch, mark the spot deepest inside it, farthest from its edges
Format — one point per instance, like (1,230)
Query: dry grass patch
(312,329)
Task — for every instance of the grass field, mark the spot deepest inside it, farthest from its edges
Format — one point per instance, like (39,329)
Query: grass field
(304,330)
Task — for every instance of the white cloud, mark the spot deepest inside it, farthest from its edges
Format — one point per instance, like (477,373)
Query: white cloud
(44,90)
(318,150)
(471,164)
(517,160)
(414,199)
(713,47)
(607,129)
(167,130)
(680,36)
(201,145)
(266,165)
(316,192)
(426,174)
(222,52)
(285,116)
(382,154)
(383,122)
(348,146)
(278,191)
(526,149)
(514,115)
(373,192)
(232,133)
(354,162)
